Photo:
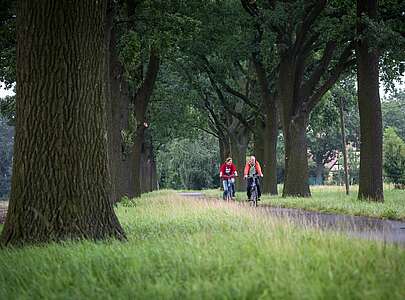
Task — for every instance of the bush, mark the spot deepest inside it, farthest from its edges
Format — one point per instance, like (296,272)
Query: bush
(189,164)
(394,158)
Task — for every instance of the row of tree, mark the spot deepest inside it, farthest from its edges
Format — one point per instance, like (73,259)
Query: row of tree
(88,124)
(268,69)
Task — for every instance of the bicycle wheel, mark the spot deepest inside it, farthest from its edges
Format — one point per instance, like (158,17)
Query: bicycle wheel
(253,198)
(228,195)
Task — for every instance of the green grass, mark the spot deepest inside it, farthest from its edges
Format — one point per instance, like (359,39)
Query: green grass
(183,249)
(332,199)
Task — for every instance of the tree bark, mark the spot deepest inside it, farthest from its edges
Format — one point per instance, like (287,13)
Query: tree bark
(109,104)
(141,105)
(224,148)
(239,144)
(270,150)
(370,180)
(296,159)
(118,116)
(345,157)
(148,167)
(269,140)
(60,185)
(258,142)
(319,171)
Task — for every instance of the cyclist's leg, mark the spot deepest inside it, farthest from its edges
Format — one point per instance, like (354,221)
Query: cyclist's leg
(225,185)
(248,184)
(259,192)
(233,191)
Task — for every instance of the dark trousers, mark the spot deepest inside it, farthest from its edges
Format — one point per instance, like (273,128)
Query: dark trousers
(249,183)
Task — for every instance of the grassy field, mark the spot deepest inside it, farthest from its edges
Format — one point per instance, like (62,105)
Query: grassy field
(333,199)
(183,249)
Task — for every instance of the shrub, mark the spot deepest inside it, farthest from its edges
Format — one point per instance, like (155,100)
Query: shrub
(394,157)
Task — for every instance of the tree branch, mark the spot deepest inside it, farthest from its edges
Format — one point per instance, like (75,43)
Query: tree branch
(145,90)
(206,131)
(344,62)
(310,15)
(226,105)
(211,73)
(316,75)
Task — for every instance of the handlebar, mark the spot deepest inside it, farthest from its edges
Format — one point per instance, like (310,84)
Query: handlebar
(228,176)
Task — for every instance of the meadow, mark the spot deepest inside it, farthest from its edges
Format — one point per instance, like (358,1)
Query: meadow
(181,248)
(332,199)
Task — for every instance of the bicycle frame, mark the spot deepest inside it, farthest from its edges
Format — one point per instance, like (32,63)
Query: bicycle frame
(228,192)
(253,191)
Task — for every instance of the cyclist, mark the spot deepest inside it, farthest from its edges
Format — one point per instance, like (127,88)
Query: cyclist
(227,171)
(253,168)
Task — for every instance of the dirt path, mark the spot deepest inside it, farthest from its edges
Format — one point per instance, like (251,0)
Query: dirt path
(363,227)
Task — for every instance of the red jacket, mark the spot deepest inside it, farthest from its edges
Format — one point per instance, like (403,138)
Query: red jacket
(257,167)
(223,168)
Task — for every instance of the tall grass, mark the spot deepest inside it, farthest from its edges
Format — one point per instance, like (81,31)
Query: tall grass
(334,200)
(186,249)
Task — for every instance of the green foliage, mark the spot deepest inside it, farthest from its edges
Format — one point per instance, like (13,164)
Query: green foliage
(394,157)
(324,131)
(7,43)
(189,163)
(185,249)
(7,108)
(393,110)
(130,53)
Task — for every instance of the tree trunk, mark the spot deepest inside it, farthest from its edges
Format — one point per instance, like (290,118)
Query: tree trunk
(119,112)
(117,120)
(345,157)
(224,148)
(319,171)
(109,101)
(269,140)
(239,144)
(141,105)
(147,165)
(137,159)
(60,186)
(296,160)
(370,181)
(270,150)
(258,142)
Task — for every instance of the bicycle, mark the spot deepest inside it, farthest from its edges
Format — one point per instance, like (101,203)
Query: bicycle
(229,191)
(253,191)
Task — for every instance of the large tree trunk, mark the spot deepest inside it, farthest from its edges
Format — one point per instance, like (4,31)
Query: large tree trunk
(370,181)
(224,148)
(109,103)
(258,142)
(137,150)
(141,105)
(269,140)
(118,115)
(270,150)
(239,144)
(296,160)
(60,186)
(148,167)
